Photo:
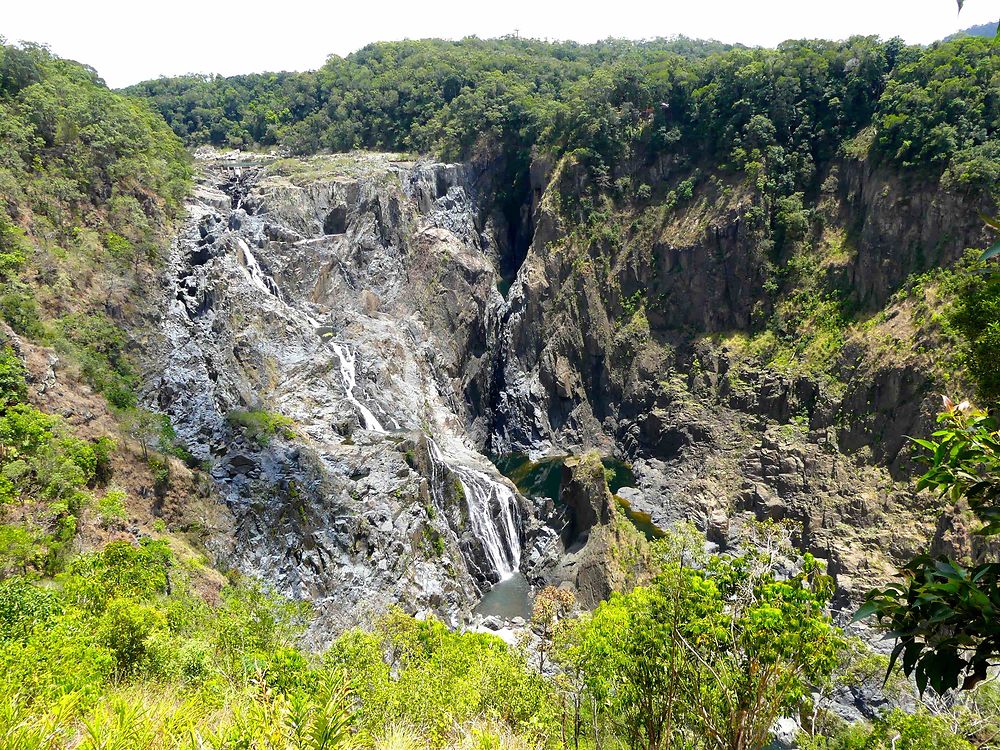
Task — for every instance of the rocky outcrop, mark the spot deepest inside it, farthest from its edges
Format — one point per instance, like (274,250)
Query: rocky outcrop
(358,303)
(358,297)
(583,492)
(900,225)
(594,549)
(610,341)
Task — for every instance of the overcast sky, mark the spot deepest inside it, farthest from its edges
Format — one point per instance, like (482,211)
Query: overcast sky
(130,41)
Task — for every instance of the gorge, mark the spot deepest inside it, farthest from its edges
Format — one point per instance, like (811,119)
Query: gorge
(314,384)
(357,296)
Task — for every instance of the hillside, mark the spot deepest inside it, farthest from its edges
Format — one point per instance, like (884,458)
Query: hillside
(494,393)
(988,30)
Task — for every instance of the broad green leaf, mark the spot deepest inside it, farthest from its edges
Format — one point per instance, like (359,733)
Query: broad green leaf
(991,252)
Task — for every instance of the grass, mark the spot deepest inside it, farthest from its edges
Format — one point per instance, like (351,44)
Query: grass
(306,170)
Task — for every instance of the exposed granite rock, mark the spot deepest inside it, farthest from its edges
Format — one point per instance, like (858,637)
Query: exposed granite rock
(359,302)
(360,296)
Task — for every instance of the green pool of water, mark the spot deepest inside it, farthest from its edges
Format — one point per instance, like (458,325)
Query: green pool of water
(642,521)
(507,599)
(542,479)
(532,478)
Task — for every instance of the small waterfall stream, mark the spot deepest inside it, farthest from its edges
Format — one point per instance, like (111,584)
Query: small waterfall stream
(493,511)
(260,279)
(348,373)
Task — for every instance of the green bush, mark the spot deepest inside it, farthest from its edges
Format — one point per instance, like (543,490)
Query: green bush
(13,387)
(919,731)
(126,629)
(23,607)
(260,425)
(99,348)
(111,507)
(19,308)
(422,675)
(119,571)
(975,314)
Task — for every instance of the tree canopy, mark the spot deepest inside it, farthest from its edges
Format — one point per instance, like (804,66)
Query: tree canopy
(783,111)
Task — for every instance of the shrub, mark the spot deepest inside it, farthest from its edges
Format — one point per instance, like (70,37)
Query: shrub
(119,571)
(23,607)
(13,387)
(125,629)
(111,507)
(260,425)
(975,314)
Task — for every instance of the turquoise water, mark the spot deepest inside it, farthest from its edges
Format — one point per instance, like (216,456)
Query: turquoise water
(621,474)
(507,599)
(532,478)
(542,479)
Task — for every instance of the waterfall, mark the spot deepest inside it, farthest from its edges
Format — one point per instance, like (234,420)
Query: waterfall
(348,374)
(492,507)
(348,363)
(260,279)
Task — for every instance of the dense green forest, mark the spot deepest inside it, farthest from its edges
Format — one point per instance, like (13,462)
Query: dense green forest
(128,646)
(89,183)
(785,110)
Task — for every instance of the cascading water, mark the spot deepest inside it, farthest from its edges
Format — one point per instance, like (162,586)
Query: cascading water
(260,279)
(493,511)
(348,373)
(492,506)
(348,361)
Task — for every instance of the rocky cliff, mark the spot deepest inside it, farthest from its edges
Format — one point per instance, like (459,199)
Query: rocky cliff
(335,349)
(319,334)
(641,336)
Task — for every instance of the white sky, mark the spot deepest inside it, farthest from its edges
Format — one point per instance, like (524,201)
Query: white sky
(132,40)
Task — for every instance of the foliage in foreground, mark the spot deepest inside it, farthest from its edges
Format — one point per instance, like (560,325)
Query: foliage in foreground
(124,650)
(944,614)
(709,656)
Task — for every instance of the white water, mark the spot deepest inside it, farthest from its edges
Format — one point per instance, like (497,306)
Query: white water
(257,276)
(348,363)
(492,509)
(348,374)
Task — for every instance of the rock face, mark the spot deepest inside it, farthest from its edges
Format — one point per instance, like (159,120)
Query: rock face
(359,305)
(357,297)
(583,365)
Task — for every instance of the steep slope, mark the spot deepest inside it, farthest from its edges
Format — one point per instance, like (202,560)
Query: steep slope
(90,183)
(655,333)
(322,324)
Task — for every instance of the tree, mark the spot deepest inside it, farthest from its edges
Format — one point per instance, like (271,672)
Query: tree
(717,653)
(143,426)
(551,605)
(945,615)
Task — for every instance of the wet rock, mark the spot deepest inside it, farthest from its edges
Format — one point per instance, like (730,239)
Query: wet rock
(361,308)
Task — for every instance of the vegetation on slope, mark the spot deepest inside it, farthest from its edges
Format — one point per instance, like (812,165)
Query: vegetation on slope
(123,650)
(786,109)
(89,181)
